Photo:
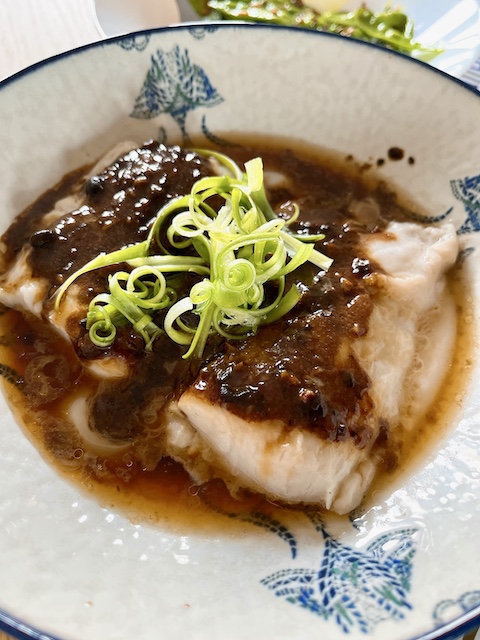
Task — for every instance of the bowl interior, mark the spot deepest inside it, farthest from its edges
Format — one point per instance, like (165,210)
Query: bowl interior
(67,561)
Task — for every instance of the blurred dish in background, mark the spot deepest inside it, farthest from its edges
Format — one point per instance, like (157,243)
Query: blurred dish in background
(455,25)
(117,17)
(445,33)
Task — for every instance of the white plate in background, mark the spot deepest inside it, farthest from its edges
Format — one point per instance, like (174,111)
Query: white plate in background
(124,16)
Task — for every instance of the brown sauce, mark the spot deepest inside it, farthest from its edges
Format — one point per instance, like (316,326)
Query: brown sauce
(161,491)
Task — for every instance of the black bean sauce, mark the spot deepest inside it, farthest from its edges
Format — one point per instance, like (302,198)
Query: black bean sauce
(291,370)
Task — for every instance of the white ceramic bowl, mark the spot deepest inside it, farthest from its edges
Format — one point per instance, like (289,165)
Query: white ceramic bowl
(76,570)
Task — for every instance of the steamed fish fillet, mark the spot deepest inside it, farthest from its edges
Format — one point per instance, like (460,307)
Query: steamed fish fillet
(413,323)
(19,288)
(400,363)
(408,345)
(293,465)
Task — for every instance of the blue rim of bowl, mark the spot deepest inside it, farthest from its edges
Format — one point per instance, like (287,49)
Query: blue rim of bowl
(225,24)
(449,631)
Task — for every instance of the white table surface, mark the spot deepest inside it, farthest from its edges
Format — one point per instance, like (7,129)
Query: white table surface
(32,30)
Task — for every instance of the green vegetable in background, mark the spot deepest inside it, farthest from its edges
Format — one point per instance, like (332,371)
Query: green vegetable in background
(225,232)
(390,27)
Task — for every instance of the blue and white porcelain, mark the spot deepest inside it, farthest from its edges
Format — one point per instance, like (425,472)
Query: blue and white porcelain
(407,565)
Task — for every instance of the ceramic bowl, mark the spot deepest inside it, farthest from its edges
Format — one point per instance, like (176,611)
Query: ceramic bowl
(406,566)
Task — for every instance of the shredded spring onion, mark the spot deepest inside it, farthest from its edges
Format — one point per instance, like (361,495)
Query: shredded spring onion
(239,249)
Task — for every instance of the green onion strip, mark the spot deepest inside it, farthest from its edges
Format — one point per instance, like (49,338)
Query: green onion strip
(238,248)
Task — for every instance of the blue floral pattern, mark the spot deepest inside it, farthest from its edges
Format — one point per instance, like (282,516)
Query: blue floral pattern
(430,219)
(468,192)
(351,587)
(138,42)
(257,518)
(448,609)
(175,86)
(200,32)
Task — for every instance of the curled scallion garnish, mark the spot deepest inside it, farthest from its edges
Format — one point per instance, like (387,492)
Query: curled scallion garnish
(239,249)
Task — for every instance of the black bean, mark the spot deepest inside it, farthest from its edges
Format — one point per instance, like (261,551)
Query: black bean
(94,186)
(42,237)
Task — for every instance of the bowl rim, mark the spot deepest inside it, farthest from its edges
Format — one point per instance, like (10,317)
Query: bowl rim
(452,631)
(233,24)
(467,621)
